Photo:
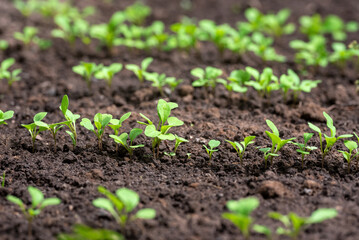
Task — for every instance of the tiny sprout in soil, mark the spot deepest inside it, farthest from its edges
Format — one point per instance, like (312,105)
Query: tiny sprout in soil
(38,203)
(122,204)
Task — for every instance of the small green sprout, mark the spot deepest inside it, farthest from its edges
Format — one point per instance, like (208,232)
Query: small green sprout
(101,121)
(122,204)
(212,148)
(330,140)
(263,230)
(312,53)
(38,203)
(4,116)
(186,35)
(10,76)
(87,71)
(160,80)
(351,155)
(241,147)
(291,81)
(70,119)
(264,83)
(28,37)
(303,148)
(107,33)
(272,24)
(179,140)
(342,54)
(4,45)
(240,214)
(139,71)
(107,73)
(294,224)
(262,47)
(239,42)
(36,127)
(69,29)
(277,142)
(237,81)
(160,133)
(54,129)
(116,124)
(83,232)
(208,77)
(26,7)
(137,13)
(217,34)
(332,24)
(122,139)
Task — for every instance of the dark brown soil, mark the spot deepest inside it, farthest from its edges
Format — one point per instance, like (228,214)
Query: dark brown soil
(189,195)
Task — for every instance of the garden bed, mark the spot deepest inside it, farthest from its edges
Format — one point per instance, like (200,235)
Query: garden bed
(188,193)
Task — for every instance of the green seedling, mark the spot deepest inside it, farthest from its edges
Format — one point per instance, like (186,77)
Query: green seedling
(264,83)
(122,204)
(332,24)
(87,70)
(236,81)
(38,203)
(26,7)
(342,54)
(240,214)
(352,154)
(69,29)
(28,37)
(304,149)
(294,224)
(70,119)
(239,42)
(83,232)
(5,73)
(4,116)
(107,73)
(186,35)
(275,24)
(212,148)
(277,142)
(291,81)
(179,140)
(155,36)
(36,127)
(116,124)
(272,24)
(262,47)
(107,33)
(312,53)
(160,80)
(54,129)
(173,83)
(101,121)
(161,132)
(122,139)
(263,230)
(137,13)
(330,140)
(4,45)
(217,34)
(241,147)
(208,77)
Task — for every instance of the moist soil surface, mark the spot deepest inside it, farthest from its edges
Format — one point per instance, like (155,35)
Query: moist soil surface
(188,193)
